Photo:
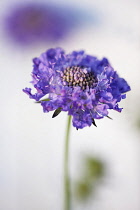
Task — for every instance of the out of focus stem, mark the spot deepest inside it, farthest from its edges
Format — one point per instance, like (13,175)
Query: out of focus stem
(67,194)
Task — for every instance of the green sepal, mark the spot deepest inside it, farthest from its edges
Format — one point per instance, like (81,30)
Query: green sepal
(93,122)
(109,117)
(46,99)
(57,112)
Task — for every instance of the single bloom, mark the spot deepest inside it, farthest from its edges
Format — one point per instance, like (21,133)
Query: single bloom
(76,83)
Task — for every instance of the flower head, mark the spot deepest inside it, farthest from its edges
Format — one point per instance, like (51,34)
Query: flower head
(76,83)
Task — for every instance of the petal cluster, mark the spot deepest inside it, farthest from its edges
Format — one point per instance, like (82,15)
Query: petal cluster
(76,83)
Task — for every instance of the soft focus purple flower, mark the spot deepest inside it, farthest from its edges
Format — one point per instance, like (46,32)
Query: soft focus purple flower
(34,22)
(76,83)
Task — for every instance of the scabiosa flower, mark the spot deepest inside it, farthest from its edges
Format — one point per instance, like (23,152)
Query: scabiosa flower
(76,83)
(36,22)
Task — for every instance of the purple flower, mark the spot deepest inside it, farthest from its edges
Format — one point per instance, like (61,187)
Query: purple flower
(76,83)
(34,22)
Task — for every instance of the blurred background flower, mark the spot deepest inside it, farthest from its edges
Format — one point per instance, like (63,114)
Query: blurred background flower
(34,22)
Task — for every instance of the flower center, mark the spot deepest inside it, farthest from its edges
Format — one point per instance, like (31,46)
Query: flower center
(78,76)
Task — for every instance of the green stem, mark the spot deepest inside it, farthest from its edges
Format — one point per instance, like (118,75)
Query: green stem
(66,168)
